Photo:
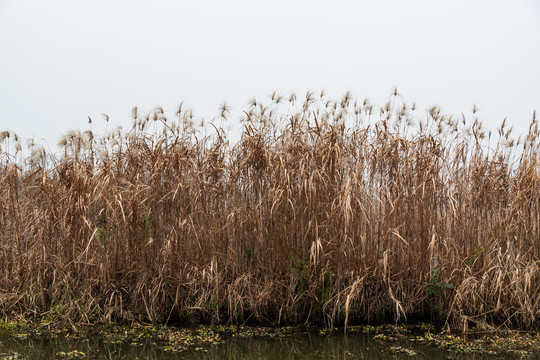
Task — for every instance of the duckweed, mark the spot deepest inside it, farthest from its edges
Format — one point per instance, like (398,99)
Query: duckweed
(508,342)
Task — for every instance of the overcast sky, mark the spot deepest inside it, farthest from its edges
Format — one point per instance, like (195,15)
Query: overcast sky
(64,60)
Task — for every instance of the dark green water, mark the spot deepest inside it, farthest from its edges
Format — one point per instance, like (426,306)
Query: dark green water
(301,346)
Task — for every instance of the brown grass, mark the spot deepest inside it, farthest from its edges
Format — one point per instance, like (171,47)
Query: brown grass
(325,211)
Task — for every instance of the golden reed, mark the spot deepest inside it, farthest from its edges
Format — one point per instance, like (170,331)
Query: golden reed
(325,211)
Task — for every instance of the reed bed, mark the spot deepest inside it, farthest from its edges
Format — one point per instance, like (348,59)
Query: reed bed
(325,211)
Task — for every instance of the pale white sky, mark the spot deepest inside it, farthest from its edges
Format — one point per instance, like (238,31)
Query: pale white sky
(64,60)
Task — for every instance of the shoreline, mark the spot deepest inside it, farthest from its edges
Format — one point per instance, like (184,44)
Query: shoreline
(199,337)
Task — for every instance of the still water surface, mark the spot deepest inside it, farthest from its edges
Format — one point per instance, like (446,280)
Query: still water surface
(300,346)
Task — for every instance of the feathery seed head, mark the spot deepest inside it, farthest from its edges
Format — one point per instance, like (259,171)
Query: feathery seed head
(179,110)
(224,110)
(63,141)
(4,135)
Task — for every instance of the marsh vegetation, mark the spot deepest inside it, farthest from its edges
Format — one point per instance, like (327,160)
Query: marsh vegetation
(324,211)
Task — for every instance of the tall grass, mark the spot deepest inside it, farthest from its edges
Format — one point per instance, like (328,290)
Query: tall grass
(325,211)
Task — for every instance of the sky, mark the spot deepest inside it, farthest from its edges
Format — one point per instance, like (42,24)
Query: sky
(64,60)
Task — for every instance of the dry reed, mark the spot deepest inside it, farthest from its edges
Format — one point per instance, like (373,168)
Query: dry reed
(326,211)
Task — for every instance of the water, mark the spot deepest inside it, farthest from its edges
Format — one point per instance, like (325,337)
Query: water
(300,346)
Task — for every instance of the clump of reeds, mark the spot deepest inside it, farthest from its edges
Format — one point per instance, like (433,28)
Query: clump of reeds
(329,211)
